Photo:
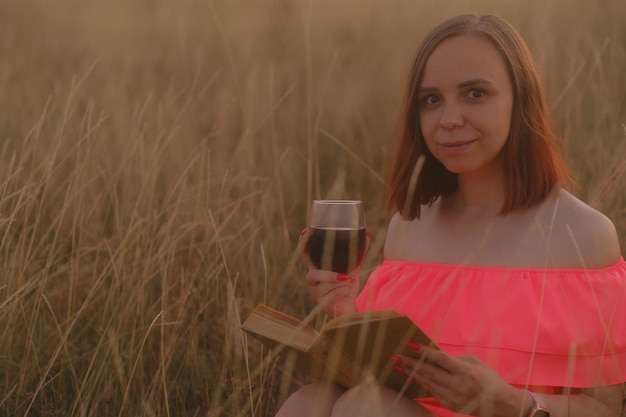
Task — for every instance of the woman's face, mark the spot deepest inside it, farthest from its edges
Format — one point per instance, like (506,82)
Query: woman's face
(465,104)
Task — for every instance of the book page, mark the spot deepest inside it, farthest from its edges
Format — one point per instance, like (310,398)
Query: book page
(359,317)
(281,328)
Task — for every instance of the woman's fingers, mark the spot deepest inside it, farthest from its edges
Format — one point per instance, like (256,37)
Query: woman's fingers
(326,286)
(459,383)
(302,248)
(321,283)
(441,364)
(424,370)
(442,384)
(335,291)
(321,290)
(320,276)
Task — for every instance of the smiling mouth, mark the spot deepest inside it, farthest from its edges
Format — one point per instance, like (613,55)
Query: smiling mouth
(456,144)
(456,147)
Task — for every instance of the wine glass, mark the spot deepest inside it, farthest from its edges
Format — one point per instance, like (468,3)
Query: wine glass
(337,235)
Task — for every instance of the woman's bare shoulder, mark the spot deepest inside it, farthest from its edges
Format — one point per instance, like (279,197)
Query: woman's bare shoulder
(405,237)
(590,232)
(396,224)
(400,234)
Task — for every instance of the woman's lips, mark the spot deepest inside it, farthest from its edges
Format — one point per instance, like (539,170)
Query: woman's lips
(456,147)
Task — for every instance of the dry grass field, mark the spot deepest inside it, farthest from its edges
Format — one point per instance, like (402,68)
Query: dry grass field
(157,159)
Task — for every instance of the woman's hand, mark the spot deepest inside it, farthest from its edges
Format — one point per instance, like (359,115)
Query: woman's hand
(463,384)
(466,385)
(335,292)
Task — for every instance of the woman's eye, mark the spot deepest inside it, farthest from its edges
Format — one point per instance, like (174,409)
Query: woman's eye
(430,99)
(476,93)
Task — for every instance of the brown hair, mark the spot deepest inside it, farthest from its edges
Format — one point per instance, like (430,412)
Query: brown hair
(533,162)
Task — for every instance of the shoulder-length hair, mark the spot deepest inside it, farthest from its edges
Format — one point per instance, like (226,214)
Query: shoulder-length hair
(533,161)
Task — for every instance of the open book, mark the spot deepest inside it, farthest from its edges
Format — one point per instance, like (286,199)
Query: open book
(347,350)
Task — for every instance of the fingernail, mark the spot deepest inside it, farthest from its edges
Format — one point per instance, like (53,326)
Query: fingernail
(395,359)
(342,277)
(302,233)
(413,346)
(398,369)
(368,234)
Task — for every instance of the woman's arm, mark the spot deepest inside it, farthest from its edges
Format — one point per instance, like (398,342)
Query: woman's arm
(467,385)
(600,401)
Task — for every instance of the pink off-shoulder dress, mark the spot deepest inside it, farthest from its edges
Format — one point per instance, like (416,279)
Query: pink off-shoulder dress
(537,328)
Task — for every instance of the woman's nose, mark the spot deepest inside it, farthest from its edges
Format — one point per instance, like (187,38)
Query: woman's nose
(451,116)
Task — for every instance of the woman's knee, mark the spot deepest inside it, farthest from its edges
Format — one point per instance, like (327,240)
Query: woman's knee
(370,399)
(314,400)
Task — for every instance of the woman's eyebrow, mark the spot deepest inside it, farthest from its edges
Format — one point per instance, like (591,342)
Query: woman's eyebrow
(473,81)
(426,89)
(462,84)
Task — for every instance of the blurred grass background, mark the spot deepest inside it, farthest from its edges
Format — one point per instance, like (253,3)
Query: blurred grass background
(157,159)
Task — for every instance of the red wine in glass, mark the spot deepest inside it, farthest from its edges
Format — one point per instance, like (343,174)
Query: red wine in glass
(338,239)
(348,248)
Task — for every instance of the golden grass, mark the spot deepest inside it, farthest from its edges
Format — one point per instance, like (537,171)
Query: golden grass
(157,159)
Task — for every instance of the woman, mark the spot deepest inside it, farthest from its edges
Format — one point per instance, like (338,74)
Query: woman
(520,283)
